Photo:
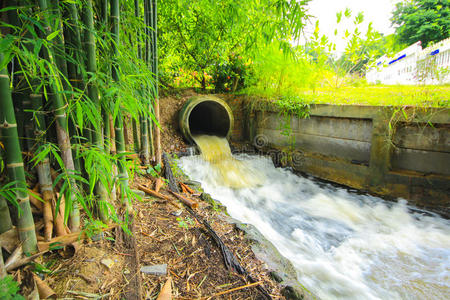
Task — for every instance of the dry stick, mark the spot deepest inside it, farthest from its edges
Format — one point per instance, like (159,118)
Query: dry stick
(158,195)
(230,260)
(187,188)
(234,289)
(16,259)
(189,202)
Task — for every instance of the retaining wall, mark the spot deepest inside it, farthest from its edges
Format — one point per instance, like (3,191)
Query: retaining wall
(383,150)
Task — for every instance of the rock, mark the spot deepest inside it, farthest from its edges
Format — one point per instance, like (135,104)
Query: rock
(98,237)
(139,193)
(176,213)
(107,262)
(192,183)
(159,270)
(282,269)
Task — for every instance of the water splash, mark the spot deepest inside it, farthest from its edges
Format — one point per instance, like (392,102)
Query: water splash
(344,245)
(226,170)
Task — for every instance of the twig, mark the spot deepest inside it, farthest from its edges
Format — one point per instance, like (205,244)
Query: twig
(233,289)
(189,202)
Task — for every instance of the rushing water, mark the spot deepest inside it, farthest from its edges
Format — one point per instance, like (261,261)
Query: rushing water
(344,245)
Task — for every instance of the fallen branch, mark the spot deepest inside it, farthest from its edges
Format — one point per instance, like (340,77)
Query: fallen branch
(16,259)
(158,195)
(187,188)
(189,202)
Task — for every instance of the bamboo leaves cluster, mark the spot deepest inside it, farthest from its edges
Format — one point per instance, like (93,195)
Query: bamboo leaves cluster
(73,77)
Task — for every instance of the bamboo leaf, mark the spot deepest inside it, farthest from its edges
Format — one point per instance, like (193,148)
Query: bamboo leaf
(52,35)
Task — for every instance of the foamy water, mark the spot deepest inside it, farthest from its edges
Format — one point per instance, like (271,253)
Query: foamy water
(343,245)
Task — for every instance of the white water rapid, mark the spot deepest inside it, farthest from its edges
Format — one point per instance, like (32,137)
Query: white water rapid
(344,245)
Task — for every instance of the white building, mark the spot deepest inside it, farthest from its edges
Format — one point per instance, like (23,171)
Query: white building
(414,65)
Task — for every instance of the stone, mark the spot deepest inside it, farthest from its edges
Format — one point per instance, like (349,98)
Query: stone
(107,262)
(139,193)
(176,213)
(98,237)
(159,270)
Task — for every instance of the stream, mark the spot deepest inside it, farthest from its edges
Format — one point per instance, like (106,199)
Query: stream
(343,244)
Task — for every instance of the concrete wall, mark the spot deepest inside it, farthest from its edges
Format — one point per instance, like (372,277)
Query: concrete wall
(369,148)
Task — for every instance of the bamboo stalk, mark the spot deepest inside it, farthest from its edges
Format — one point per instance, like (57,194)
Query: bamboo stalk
(59,107)
(15,163)
(158,150)
(118,125)
(145,141)
(5,218)
(43,168)
(89,45)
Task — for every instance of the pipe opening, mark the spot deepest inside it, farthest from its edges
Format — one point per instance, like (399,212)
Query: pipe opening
(209,117)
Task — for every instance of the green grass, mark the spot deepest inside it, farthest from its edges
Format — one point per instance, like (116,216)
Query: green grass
(422,96)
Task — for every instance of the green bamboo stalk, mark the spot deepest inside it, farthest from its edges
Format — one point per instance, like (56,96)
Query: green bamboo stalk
(144,141)
(135,136)
(14,162)
(59,106)
(5,217)
(120,142)
(157,131)
(97,139)
(145,153)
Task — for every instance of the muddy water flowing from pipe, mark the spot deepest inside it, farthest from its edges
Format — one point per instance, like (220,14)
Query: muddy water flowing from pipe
(344,245)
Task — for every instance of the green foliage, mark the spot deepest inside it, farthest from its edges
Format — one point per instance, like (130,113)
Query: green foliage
(233,75)
(427,21)
(154,171)
(198,35)
(9,289)
(132,95)
(185,223)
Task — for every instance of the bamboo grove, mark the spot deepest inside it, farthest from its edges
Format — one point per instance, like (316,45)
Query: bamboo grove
(78,99)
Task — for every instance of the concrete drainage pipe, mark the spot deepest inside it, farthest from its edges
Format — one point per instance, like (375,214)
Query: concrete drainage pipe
(205,115)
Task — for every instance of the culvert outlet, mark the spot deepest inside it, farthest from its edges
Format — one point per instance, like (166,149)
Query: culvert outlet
(205,115)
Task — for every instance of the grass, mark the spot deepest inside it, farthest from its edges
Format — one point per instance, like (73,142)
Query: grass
(422,96)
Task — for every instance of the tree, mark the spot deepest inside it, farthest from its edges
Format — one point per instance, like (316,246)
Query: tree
(422,20)
(201,34)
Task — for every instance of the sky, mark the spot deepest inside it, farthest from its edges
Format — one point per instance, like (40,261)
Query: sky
(376,11)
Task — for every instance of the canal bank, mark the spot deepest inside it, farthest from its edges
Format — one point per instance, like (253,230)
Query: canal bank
(394,152)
